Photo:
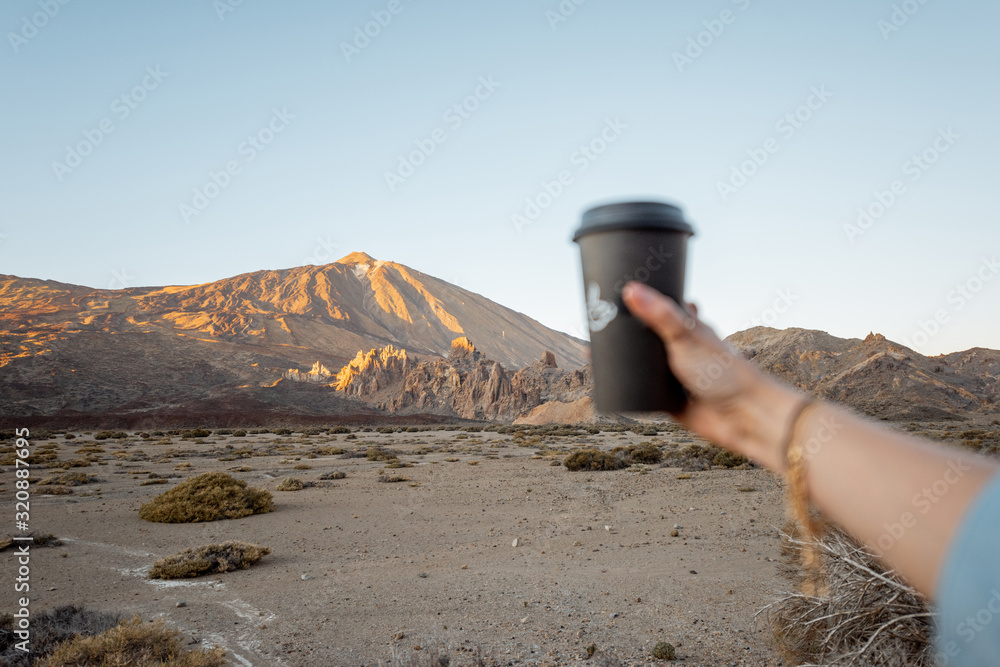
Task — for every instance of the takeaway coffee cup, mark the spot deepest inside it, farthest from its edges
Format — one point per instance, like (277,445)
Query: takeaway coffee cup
(646,242)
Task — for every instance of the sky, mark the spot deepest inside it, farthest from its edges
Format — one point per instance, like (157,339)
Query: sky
(836,159)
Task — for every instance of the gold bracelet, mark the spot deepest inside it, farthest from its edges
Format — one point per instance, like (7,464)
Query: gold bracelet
(813,583)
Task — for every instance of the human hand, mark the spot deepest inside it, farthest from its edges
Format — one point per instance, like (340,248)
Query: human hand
(731,402)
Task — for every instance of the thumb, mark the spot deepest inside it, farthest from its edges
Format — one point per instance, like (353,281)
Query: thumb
(659,312)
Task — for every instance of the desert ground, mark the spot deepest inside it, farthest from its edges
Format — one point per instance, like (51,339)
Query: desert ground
(363,570)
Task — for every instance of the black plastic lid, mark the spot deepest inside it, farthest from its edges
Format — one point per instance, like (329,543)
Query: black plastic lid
(634,215)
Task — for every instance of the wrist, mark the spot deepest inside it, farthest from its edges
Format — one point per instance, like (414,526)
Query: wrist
(763,415)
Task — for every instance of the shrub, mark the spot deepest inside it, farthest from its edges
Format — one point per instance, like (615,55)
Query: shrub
(68,479)
(223,431)
(69,436)
(595,459)
(291,484)
(208,559)
(50,628)
(113,435)
(728,459)
(845,627)
(333,475)
(211,496)
(195,433)
(302,466)
(239,433)
(132,643)
(379,454)
(644,452)
(663,651)
(338,430)
(703,457)
(281,431)
(391,479)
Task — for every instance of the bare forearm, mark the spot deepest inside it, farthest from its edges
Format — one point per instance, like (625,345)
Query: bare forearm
(902,496)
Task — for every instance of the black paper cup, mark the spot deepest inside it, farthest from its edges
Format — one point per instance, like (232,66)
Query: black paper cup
(645,242)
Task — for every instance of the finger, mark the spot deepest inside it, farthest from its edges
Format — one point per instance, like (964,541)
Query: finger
(659,312)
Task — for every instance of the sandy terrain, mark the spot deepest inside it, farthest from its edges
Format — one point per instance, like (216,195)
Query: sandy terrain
(361,568)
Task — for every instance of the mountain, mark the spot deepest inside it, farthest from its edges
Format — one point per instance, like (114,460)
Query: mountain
(72,350)
(876,375)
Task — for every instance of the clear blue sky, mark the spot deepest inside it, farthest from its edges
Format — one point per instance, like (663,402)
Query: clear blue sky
(318,190)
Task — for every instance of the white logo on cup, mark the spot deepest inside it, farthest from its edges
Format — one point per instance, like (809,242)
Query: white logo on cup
(600,312)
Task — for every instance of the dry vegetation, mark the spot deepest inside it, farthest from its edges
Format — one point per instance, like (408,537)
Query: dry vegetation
(208,497)
(49,629)
(208,559)
(132,643)
(870,617)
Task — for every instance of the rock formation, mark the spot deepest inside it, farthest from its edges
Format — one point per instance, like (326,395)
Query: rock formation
(466,384)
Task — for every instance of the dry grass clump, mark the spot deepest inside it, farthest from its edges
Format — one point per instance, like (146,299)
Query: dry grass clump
(208,559)
(50,628)
(644,452)
(380,454)
(68,479)
(337,474)
(595,459)
(112,435)
(132,643)
(703,457)
(293,484)
(39,540)
(208,497)
(871,617)
(392,479)
(617,459)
